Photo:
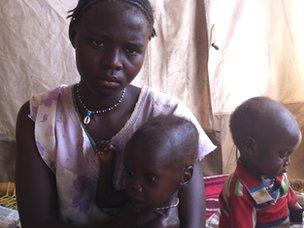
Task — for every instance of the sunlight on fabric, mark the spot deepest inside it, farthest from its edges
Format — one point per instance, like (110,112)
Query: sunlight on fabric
(260,52)
(290,80)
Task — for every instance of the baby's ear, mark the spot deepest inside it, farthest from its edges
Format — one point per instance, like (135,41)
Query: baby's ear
(187,175)
(72,33)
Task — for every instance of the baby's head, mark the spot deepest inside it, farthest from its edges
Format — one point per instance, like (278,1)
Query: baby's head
(265,133)
(159,160)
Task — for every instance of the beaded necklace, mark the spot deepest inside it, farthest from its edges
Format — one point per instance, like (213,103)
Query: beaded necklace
(90,113)
(100,147)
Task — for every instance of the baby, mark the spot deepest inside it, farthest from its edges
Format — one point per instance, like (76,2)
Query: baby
(159,160)
(258,194)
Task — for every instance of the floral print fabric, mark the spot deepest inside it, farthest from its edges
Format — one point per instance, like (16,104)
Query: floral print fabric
(65,147)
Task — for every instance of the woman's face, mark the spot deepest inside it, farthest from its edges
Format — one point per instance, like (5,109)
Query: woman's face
(110,42)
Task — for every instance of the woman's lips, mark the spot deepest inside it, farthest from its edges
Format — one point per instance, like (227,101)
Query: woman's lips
(111,78)
(110,82)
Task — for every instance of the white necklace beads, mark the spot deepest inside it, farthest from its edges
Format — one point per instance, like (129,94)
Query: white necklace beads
(90,113)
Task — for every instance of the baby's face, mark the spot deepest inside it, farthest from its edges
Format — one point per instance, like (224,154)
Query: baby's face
(150,182)
(273,158)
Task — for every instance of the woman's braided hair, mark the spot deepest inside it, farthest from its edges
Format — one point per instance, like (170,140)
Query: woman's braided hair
(143,5)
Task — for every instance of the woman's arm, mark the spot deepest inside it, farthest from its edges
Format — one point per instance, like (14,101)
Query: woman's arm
(35,182)
(192,202)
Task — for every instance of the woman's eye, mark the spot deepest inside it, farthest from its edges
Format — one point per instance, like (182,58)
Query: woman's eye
(97,43)
(132,51)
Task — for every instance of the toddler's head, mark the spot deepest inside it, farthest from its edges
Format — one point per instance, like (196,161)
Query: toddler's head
(159,160)
(265,133)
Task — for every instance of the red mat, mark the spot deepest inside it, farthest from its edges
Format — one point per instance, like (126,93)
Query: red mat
(213,188)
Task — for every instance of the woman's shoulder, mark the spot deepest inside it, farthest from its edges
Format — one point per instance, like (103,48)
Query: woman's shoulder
(51,94)
(47,99)
(160,99)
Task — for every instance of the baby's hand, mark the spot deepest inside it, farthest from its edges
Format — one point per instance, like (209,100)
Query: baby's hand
(105,152)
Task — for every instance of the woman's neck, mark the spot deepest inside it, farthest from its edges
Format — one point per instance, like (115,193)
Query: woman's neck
(93,102)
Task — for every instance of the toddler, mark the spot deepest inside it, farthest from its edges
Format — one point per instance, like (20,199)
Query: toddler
(258,194)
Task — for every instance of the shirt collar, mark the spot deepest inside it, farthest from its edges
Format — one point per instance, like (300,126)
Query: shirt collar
(256,187)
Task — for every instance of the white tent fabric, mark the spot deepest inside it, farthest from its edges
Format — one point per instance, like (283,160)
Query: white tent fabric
(36,55)
(261,53)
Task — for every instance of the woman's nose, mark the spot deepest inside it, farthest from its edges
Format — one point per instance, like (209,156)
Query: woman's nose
(113,59)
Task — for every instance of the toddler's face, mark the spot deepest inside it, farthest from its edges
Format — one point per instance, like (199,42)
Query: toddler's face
(110,43)
(150,182)
(273,158)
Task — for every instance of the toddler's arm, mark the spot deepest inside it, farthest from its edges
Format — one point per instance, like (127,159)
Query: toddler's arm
(295,210)
(295,213)
(237,209)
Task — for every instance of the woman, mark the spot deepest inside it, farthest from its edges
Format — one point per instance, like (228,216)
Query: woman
(62,133)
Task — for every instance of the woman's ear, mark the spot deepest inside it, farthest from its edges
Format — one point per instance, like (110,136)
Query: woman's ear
(187,175)
(72,32)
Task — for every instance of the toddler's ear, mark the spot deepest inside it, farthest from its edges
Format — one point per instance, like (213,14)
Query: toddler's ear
(249,145)
(72,33)
(187,175)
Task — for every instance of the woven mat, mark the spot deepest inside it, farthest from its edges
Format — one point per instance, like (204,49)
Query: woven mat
(8,195)
(213,188)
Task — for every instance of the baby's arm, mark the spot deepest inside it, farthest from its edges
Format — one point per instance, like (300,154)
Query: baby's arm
(106,196)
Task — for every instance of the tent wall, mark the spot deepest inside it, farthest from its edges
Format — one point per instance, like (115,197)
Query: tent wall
(260,53)
(36,55)
(255,48)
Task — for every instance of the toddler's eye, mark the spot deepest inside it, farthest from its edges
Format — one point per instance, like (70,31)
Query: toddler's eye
(97,43)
